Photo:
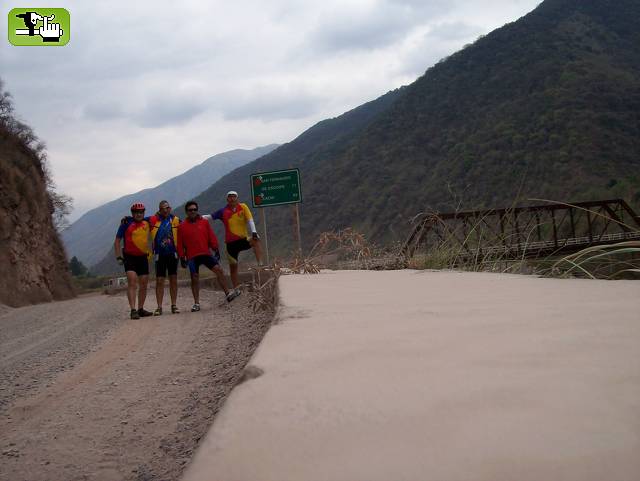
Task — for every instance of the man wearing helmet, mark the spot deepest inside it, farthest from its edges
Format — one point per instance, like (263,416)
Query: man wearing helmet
(134,231)
(240,233)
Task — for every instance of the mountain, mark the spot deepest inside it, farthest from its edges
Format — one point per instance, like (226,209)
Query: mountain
(34,268)
(544,107)
(324,139)
(317,146)
(91,236)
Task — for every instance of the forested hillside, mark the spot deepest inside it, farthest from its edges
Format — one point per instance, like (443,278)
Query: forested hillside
(545,107)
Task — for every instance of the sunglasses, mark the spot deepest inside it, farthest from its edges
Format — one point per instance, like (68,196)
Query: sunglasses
(192,210)
(138,211)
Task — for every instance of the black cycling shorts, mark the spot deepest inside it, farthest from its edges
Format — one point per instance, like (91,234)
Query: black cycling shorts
(166,263)
(137,264)
(234,248)
(208,261)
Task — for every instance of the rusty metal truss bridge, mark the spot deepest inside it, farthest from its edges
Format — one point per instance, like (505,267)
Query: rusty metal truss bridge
(525,232)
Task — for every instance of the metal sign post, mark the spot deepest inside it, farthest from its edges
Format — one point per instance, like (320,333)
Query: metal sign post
(299,237)
(264,228)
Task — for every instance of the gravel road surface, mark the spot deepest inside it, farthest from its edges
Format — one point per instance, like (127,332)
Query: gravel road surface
(87,394)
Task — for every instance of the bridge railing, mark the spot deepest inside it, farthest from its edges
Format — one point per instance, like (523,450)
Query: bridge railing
(531,231)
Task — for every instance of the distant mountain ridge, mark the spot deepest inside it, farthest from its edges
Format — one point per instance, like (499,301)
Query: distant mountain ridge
(91,235)
(544,107)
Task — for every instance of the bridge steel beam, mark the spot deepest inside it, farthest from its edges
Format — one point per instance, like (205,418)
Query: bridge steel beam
(509,241)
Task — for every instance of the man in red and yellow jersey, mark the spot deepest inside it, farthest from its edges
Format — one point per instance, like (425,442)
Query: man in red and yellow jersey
(134,231)
(198,241)
(240,233)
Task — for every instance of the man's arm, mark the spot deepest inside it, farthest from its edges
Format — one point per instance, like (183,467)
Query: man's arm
(119,236)
(212,240)
(182,250)
(255,238)
(176,226)
(180,247)
(118,250)
(118,246)
(251,226)
(217,214)
(214,215)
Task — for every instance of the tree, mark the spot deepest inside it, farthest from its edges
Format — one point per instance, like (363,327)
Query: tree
(61,204)
(77,268)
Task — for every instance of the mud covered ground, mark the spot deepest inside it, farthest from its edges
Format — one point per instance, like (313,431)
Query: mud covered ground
(87,394)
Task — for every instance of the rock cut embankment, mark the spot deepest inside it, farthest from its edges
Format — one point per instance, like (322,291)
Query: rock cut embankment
(34,265)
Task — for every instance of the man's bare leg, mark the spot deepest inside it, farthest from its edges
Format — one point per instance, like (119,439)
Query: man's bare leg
(195,287)
(173,289)
(142,291)
(160,291)
(233,269)
(257,250)
(132,285)
(217,270)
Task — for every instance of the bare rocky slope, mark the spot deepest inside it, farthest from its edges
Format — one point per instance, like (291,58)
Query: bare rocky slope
(34,265)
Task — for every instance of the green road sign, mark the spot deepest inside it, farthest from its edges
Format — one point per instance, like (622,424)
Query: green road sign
(276,188)
(49,27)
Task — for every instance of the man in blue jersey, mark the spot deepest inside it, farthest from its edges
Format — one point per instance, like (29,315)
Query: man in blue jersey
(164,235)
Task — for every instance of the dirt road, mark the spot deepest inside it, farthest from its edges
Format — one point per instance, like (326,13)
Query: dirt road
(87,394)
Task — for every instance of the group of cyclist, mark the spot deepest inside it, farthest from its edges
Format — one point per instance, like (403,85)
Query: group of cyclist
(191,243)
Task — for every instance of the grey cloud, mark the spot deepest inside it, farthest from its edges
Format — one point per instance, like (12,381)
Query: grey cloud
(166,111)
(102,111)
(440,41)
(109,45)
(376,27)
(421,5)
(364,33)
(453,31)
(270,105)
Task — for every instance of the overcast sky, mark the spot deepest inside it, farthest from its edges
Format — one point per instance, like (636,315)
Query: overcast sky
(147,89)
